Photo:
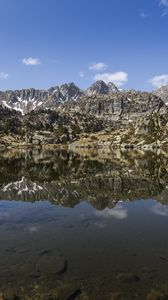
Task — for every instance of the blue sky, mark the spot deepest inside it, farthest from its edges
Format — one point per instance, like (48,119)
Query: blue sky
(45,43)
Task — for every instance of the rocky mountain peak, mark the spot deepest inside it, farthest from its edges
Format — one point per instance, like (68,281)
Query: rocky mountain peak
(101,88)
(70,91)
(98,88)
(26,100)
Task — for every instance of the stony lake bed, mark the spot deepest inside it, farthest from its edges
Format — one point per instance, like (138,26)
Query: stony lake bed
(83,226)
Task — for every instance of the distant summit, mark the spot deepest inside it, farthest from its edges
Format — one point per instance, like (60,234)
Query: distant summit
(26,100)
(66,114)
(68,94)
(101,88)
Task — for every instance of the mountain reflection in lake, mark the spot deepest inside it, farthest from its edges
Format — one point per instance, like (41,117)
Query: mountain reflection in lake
(90,227)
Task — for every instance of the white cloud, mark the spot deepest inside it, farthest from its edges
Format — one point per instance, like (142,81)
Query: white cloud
(164,2)
(100,66)
(118,78)
(81,74)
(30,61)
(3,75)
(159,81)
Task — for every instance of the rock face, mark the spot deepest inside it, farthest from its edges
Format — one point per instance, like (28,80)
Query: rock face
(102,100)
(100,88)
(147,132)
(27,100)
(162,93)
(62,113)
(30,99)
(125,105)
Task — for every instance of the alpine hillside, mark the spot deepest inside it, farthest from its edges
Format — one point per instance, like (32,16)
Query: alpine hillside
(99,115)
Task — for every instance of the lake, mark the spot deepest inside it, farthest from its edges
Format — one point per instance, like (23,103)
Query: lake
(84,226)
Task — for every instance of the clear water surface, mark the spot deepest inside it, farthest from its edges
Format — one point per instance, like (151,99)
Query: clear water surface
(83,227)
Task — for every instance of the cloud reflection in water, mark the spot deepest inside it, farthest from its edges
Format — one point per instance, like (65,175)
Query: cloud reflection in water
(159,209)
(118,213)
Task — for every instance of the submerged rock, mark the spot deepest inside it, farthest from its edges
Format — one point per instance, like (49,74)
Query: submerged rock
(51,263)
(128,277)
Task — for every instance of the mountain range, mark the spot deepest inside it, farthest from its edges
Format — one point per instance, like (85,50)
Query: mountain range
(64,114)
(26,100)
